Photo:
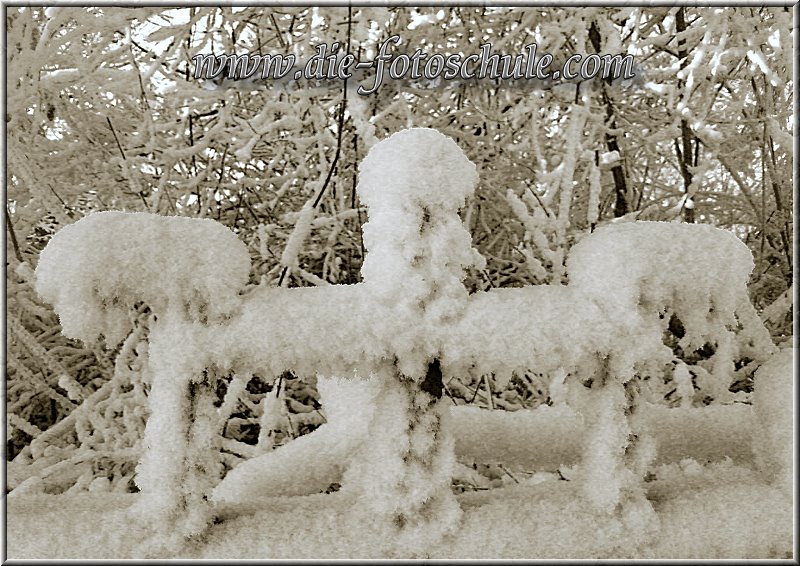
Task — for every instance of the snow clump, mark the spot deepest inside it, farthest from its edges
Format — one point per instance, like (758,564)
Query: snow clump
(95,270)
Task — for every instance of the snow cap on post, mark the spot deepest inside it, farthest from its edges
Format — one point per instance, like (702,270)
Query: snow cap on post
(658,260)
(415,168)
(414,183)
(95,270)
(700,272)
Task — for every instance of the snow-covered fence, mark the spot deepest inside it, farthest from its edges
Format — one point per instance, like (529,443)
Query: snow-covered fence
(409,327)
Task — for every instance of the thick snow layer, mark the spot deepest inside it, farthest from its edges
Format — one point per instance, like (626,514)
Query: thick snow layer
(333,330)
(412,306)
(413,168)
(95,270)
(639,252)
(715,511)
(695,271)
(546,328)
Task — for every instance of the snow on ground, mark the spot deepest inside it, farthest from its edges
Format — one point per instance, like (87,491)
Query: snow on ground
(715,511)
(718,509)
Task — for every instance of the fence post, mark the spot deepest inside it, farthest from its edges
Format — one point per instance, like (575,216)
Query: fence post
(413,183)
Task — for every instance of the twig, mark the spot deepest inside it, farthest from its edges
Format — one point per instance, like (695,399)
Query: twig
(283,274)
(353,195)
(116,139)
(502,467)
(277,31)
(134,64)
(289,419)
(546,210)
(61,200)
(139,47)
(342,106)
(450,395)
(477,388)
(488,278)
(222,167)
(340,127)
(169,197)
(247,205)
(11,233)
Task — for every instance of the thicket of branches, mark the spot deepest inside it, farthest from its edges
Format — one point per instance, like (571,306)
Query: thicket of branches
(104,113)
